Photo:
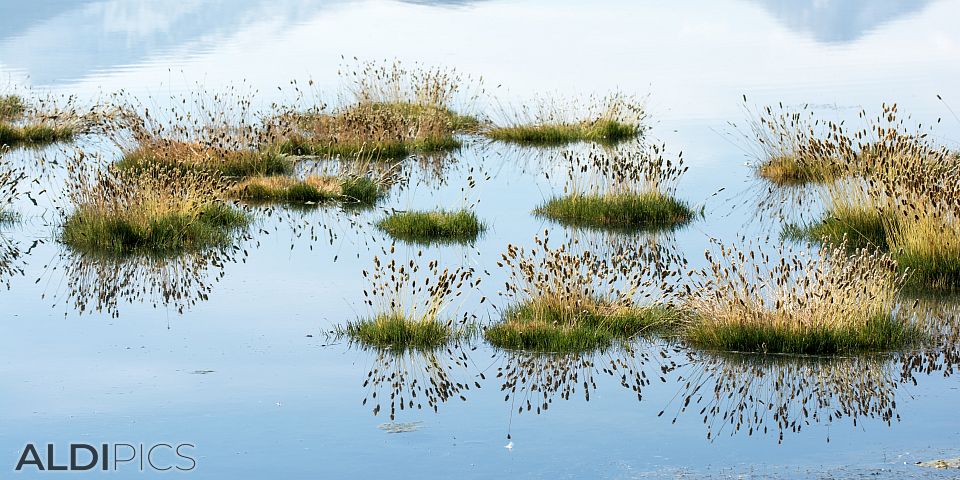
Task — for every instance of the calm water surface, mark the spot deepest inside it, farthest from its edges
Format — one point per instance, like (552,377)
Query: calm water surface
(228,353)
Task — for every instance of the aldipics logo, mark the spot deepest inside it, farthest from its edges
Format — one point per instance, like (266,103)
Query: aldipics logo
(78,457)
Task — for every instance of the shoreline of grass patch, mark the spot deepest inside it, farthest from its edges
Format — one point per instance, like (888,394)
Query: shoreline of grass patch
(542,328)
(647,210)
(881,333)
(546,134)
(89,231)
(398,333)
(438,226)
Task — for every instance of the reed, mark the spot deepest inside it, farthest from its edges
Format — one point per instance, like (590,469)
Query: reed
(821,302)
(624,189)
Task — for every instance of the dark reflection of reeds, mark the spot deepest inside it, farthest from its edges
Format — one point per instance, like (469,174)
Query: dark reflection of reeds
(102,284)
(411,379)
(741,393)
(11,263)
(532,381)
(745,393)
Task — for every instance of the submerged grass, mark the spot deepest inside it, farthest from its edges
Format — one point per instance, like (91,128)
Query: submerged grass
(644,210)
(433,226)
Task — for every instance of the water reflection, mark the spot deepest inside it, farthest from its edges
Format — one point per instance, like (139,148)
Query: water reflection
(11,263)
(408,379)
(839,21)
(102,284)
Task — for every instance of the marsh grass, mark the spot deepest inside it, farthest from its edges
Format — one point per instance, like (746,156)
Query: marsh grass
(900,192)
(545,327)
(34,134)
(409,303)
(154,210)
(389,110)
(631,188)
(547,122)
(824,302)
(438,226)
(567,300)
(240,163)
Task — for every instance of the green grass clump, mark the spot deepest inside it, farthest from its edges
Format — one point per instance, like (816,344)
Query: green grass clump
(645,210)
(212,226)
(547,327)
(12,107)
(194,156)
(600,131)
(32,134)
(858,227)
(396,332)
(795,169)
(436,226)
(877,334)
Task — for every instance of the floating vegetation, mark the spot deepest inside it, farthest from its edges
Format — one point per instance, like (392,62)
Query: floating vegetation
(410,379)
(389,110)
(609,120)
(455,226)
(630,189)
(410,305)
(822,302)
(566,301)
(153,210)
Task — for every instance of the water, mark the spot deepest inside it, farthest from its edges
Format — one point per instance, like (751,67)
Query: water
(95,352)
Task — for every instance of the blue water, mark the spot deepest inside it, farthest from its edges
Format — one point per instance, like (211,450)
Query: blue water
(245,372)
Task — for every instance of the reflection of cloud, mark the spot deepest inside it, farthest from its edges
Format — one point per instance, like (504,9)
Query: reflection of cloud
(839,21)
(58,40)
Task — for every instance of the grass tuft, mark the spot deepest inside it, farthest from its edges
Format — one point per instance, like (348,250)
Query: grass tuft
(644,210)
(857,227)
(599,131)
(32,134)
(435,226)
(12,107)
(201,157)
(396,332)
(549,327)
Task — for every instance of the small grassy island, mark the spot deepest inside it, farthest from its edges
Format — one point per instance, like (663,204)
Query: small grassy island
(817,303)
(153,211)
(16,129)
(438,226)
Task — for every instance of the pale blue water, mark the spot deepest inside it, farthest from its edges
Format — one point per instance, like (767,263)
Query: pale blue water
(245,373)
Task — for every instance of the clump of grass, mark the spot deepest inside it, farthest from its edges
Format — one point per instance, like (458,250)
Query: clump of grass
(409,306)
(566,301)
(12,107)
(610,120)
(433,226)
(389,110)
(902,194)
(312,189)
(626,189)
(153,210)
(33,134)
(822,302)
(239,163)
